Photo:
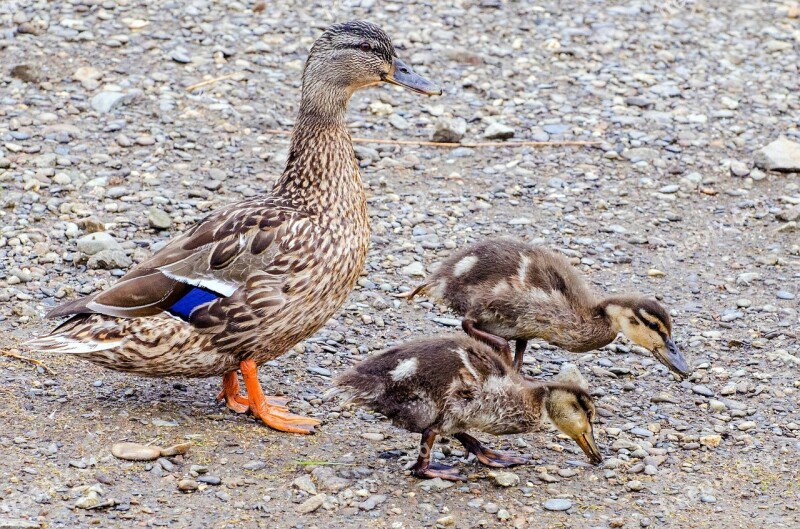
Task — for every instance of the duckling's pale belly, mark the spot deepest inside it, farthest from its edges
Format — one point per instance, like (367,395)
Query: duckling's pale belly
(329,260)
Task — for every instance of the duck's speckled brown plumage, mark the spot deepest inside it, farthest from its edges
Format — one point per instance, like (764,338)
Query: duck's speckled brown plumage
(283,263)
(293,257)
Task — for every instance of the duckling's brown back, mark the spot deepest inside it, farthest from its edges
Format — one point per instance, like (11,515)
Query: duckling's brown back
(410,383)
(473,276)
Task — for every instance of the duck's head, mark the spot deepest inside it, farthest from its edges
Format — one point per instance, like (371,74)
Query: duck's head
(357,54)
(645,322)
(572,411)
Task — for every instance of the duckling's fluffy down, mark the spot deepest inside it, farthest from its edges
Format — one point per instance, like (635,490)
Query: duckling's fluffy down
(452,383)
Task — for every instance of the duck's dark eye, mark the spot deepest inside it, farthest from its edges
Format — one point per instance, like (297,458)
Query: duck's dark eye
(365,46)
(634,321)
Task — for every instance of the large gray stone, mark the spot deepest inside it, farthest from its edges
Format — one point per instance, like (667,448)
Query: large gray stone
(557,504)
(97,242)
(105,102)
(449,130)
(109,260)
(780,155)
(498,131)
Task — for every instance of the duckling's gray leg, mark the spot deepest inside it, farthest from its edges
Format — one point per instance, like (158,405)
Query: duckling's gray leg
(425,468)
(487,456)
(519,354)
(496,342)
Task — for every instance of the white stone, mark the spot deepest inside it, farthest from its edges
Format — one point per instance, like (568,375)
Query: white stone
(780,155)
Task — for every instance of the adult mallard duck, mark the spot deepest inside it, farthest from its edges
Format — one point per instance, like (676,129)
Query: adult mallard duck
(453,384)
(507,289)
(255,278)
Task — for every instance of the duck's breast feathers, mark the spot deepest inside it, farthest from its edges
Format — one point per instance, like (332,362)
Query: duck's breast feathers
(217,257)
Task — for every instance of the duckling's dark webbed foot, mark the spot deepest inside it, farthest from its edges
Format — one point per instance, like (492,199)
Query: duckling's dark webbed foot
(489,457)
(427,469)
(432,470)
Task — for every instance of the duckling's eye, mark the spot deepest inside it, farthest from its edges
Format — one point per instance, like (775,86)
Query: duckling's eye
(365,47)
(634,321)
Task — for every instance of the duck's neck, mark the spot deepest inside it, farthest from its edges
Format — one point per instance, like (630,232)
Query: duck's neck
(321,171)
(580,331)
(603,327)
(534,395)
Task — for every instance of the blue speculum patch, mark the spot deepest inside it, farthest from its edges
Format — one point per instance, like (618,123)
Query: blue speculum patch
(191,300)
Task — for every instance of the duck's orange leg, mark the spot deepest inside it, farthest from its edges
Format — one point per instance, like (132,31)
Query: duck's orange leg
(230,392)
(238,402)
(265,408)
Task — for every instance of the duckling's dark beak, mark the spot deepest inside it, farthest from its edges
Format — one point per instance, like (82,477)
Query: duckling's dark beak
(589,447)
(401,74)
(671,357)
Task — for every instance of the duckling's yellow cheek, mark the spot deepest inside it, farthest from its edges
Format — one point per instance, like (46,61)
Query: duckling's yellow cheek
(643,336)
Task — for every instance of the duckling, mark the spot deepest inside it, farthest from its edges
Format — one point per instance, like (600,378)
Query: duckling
(507,289)
(253,279)
(448,385)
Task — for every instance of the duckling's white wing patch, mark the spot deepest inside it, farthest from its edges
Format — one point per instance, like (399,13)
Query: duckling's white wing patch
(522,271)
(500,288)
(404,369)
(496,384)
(467,364)
(464,265)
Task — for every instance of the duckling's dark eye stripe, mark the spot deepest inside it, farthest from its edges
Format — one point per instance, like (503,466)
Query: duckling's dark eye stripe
(647,321)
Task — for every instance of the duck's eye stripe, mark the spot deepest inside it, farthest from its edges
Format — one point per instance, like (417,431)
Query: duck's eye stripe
(647,321)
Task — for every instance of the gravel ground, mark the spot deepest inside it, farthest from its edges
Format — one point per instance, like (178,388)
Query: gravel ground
(98,133)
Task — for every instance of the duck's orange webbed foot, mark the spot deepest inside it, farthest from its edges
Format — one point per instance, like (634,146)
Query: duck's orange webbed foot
(272,410)
(238,402)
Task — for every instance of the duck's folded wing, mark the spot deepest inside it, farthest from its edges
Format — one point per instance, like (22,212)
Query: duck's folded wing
(214,258)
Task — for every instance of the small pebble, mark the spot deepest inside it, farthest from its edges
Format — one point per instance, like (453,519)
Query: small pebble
(634,485)
(174,450)
(557,504)
(702,390)
(187,485)
(135,452)
(505,479)
(311,504)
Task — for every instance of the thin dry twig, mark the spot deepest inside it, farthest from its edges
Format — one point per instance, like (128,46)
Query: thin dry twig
(207,82)
(455,145)
(33,361)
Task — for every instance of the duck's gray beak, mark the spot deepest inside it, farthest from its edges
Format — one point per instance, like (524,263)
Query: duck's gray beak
(401,74)
(671,357)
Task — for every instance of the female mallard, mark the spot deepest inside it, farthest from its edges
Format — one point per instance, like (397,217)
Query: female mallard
(507,289)
(253,279)
(453,384)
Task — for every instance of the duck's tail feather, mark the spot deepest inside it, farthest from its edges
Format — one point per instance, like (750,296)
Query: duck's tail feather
(81,334)
(421,289)
(65,344)
(356,387)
